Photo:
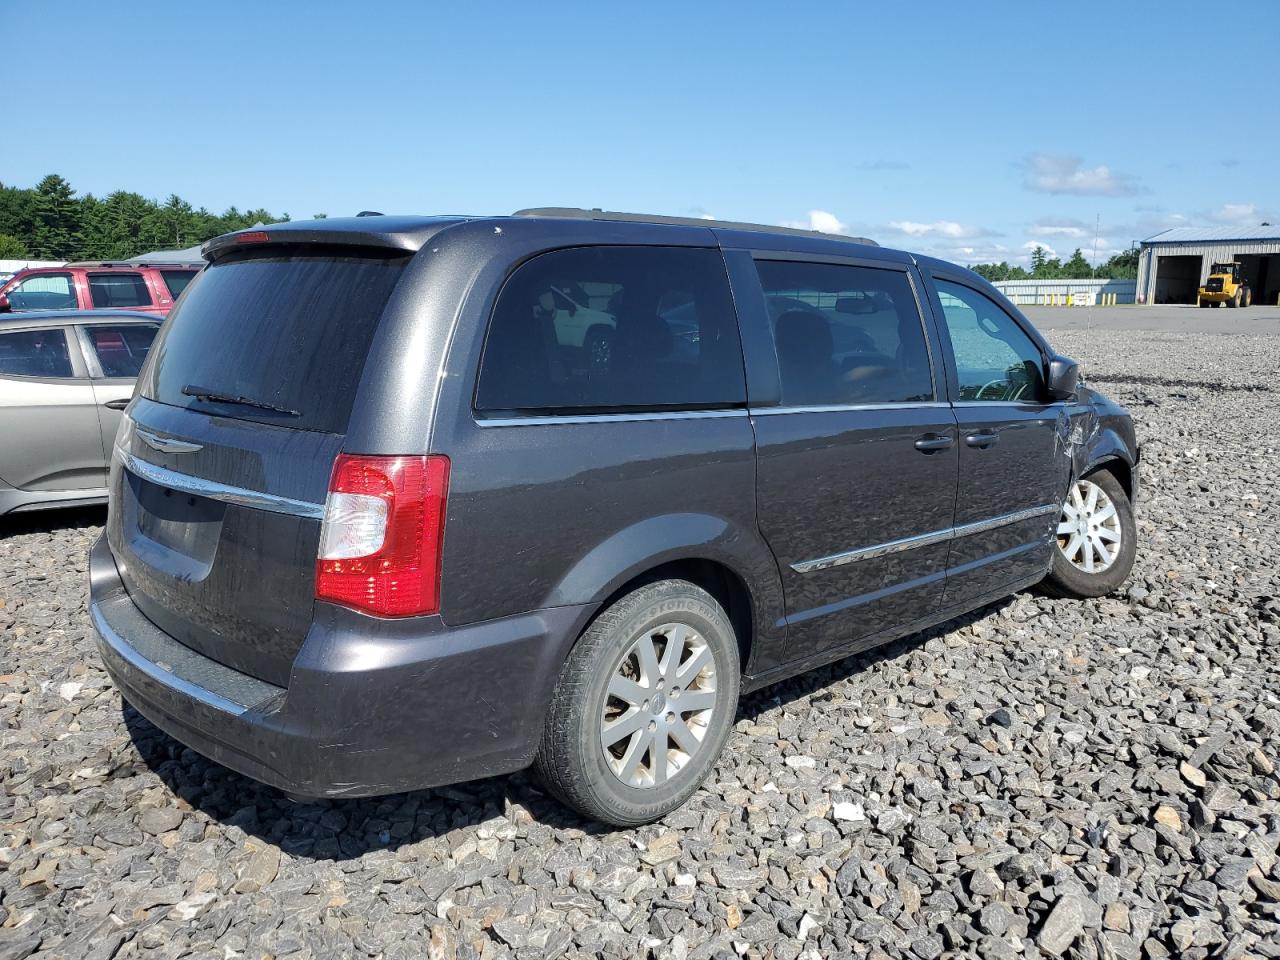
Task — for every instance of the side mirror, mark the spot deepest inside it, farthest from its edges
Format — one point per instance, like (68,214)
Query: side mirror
(5,306)
(1064,377)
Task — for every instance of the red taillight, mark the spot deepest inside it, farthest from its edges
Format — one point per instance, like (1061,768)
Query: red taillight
(383,532)
(252,236)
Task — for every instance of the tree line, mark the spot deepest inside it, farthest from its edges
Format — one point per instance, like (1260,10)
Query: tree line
(50,222)
(1121,266)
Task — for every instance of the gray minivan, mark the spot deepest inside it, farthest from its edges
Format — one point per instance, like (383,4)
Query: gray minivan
(406,501)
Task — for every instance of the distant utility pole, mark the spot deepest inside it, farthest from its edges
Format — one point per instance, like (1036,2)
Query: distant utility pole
(1097,228)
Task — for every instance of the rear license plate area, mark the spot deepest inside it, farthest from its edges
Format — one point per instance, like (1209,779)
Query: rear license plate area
(172,530)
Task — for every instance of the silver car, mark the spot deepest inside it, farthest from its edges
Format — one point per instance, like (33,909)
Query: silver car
(65,376)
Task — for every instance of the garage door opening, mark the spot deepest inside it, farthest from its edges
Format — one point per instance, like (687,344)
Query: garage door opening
(1262,274)
(1177,279)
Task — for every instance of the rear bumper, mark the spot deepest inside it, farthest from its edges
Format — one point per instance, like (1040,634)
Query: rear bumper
(372,706)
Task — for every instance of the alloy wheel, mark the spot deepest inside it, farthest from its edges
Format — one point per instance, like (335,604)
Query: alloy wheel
(1089,531)
(659,705)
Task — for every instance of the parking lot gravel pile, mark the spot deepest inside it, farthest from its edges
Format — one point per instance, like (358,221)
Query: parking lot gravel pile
(1041,778)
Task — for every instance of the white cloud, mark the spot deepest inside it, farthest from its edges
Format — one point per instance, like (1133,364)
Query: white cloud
(1238,215)
(1066,173)
(821,221)
(938,228)
(1049,227)
(963,252)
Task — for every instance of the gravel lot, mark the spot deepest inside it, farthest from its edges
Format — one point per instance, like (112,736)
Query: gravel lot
(1043,777)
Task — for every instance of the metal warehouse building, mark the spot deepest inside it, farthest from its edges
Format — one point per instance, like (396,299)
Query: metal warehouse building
(1173,265)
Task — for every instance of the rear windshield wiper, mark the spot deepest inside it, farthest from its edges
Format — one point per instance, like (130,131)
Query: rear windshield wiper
(204,393)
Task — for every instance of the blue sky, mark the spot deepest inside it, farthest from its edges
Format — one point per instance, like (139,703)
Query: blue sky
(966,130)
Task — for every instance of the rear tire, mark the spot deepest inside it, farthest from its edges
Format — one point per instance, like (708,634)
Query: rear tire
(664,646)
(1095,546)
(1205,303)
(1248,298)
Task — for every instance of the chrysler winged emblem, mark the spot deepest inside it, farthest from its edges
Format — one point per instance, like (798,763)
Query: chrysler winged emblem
(167,444)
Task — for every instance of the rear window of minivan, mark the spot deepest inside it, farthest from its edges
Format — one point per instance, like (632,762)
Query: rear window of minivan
(290,330)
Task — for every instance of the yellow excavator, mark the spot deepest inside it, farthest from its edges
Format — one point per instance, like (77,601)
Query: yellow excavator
(1226,285)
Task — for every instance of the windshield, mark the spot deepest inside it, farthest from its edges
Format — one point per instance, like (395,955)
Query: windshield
(277,339)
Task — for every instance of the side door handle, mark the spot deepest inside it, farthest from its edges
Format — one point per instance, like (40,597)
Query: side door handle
(983,438)
(117,404)
(933,443)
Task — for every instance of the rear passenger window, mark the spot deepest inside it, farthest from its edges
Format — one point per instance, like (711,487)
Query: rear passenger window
(176,281)
(995,359)
(845,335)
(613,328)
(121,349)
(34,353)
(119,290)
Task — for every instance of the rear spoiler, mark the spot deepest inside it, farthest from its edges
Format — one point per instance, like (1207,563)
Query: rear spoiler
(404,234)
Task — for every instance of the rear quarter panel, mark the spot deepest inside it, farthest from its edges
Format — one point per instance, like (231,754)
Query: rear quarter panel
(557,511)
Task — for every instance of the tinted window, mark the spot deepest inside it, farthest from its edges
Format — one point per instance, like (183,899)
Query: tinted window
(614,328)
(290,330)
(177,280)
(845,335)
(34,353)
(119,290)
(44,291)
(121,349)
(995,359)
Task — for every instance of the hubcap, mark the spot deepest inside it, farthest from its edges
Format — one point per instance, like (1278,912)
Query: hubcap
(661,698)
(1089,529)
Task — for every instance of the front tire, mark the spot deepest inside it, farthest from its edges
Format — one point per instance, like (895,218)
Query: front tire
(1096,539)
(643,705)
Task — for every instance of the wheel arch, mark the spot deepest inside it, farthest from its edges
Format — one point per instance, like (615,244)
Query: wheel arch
(1118,467)
(734,566)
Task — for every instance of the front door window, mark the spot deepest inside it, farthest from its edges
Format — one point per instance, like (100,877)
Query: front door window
(995,359)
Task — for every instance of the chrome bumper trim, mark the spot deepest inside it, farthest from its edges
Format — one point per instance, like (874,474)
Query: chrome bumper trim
(200,487)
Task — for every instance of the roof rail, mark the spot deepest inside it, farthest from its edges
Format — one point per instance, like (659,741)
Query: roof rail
(130,264)
(580,213)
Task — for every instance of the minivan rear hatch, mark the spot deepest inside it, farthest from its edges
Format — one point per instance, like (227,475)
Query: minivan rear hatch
(220,474)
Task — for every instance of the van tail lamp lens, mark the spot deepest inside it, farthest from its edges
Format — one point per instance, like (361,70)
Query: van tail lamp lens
(380,544)
(252,236)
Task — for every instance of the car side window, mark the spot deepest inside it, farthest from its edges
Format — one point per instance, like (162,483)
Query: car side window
(119,289)
(44,291)
(177,280)
(121,349)
(35,353)
(613,329)
(995,358)
(846,335)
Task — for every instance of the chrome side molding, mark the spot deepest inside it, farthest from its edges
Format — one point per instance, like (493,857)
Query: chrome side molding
(923,539)
(197,486)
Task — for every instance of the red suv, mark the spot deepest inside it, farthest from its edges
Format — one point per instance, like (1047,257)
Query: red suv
(150,288)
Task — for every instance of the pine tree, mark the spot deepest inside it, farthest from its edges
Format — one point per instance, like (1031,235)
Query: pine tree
(57,220)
